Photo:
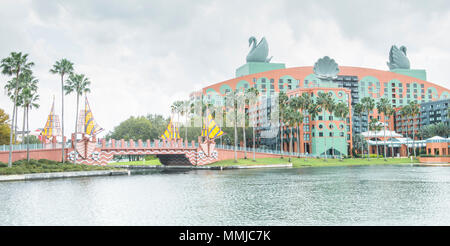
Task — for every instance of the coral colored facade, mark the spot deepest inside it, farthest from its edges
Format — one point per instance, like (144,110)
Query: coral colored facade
(400,89)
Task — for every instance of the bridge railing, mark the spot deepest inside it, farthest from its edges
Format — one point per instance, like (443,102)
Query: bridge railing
(18,147)
(119,144)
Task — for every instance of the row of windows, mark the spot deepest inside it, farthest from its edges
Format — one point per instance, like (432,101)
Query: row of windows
(341,134)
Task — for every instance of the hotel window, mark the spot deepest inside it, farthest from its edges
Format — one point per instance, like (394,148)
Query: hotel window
(348,136)
(415,85)
(271,81)
(254,80)
(289,87)
(422,85)
(341,133)
(320,134)
(330,126)
(280,87)
(331,134)
(320,118)
(330,117)
(407,85)
(263,86)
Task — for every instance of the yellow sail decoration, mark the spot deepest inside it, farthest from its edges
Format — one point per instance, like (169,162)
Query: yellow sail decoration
(90,126)
(211,129)
(172,132)
(51,127)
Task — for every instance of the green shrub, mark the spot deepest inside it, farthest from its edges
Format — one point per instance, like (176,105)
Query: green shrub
(47,161)
(3,164)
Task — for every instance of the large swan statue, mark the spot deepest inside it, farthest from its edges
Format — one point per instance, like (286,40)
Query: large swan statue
(259,52)
(397,58)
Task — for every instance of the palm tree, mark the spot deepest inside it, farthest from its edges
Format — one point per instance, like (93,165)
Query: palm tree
(231,104)
(297,104)
(10,88)
(306,105)
(15,64)
(62,67)
(382,106)
(177,108)
(390,111)
(79,84)
(374,125)
(368,104)
(184,111)
(326,103)
(358,110)
(282,100)
(292,117)
(30,98)
(405,112)
(341,111)
(414,110)
(253,99)
(313,110)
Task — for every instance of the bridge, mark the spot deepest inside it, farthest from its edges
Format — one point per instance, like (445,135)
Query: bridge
(173,152)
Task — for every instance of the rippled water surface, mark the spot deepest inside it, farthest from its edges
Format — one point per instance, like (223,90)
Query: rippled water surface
(367,195)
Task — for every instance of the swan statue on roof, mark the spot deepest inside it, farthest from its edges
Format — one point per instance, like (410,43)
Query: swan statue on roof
(259,52)
(397,58)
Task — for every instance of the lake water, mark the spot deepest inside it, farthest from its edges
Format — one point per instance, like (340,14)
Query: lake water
(366,195)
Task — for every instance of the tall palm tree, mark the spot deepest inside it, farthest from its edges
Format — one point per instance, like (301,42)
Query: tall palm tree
(10,88)
(231,104)
(369,105)
(341,111)
(382,106)
(358,110)
(15,64)
(282,100)
(326,103)
(313,110)
(79,84)
(405,112)
(177,108)
(297,104)
(306,105)
(30,98)
(62,67)
(390,112)
(292,117)
(184,111)
(253,94)
(414,110)
(374,125)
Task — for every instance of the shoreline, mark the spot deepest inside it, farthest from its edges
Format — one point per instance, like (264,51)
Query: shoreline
(57,175)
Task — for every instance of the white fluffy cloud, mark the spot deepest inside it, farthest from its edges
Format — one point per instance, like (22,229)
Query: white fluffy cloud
(143,55)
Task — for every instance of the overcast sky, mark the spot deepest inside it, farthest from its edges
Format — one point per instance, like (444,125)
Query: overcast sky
(142,55)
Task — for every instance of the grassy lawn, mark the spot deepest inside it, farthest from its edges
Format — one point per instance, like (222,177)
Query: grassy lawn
(137,163)
(301,162)
(46,166)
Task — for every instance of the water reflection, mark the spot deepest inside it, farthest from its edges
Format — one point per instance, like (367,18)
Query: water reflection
(370,195)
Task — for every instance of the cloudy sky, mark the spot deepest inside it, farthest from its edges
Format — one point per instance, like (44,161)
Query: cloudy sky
(142,55)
